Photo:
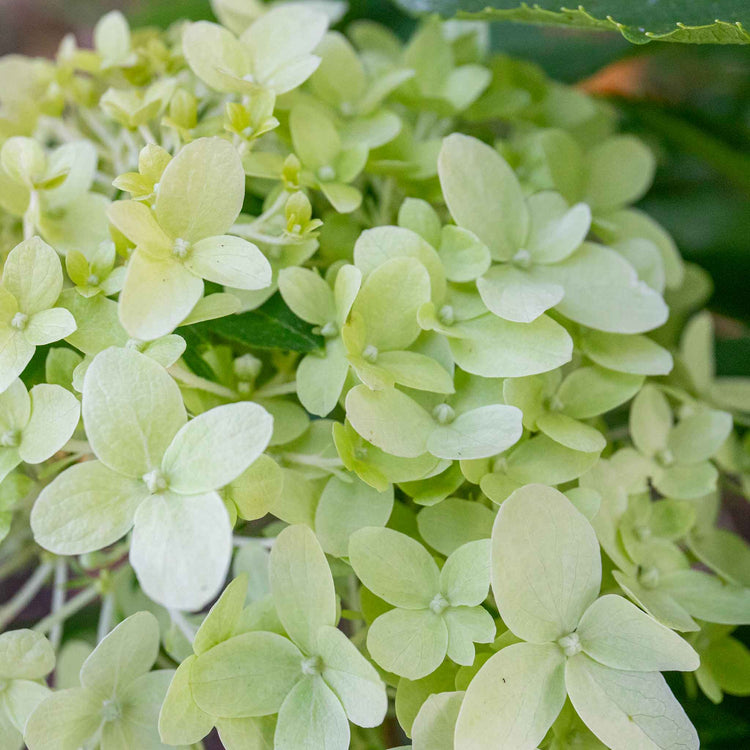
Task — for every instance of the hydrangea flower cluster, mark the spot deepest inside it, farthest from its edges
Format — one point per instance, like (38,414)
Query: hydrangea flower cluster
(341,375)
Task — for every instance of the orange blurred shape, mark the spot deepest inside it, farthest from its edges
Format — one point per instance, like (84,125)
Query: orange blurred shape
(626,78)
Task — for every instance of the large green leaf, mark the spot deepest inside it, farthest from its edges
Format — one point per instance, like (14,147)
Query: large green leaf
(694,22)
(271,326)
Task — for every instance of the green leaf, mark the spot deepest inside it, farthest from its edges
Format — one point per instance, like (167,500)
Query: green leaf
(302,586)
(311,718)
(411,643)
(248,675)
(513,699)
(126,653)
(132,410)
(627,709)
(271,326)
(617,634)
(697,23)
(539,535)
(483,194)
(352,678)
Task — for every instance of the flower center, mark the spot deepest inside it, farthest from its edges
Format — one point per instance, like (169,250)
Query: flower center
(110,711)
(665,457)
(439,604)
(20,321)
(649,577)
(522,258)
(10,439)
(155,481)
(93,280)
(329,330)
(326,173)
(312,665)
(446,315)
(443,414)
(642,532)
(570,644)
(180,248)
(370,354)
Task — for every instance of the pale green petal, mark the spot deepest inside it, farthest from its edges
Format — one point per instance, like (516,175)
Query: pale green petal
(539,535)
(617,634)
(311,718)
(137,222)
(411,694)
(590,391)
(249,733)
(388,301)
(98,323)
(33,275)
(650,420)
(138,723)
(181,548)
(627,710)
(86,508)
(320,379)
(345,507)
(221,620)
(602,291)
(19,700)
(25,655)
(410,643)
(213,306)
(724,552)
(686,482)
(157,296)
(215,55)
(435,724)
(314,136)
(637,355)
(586,499)
(513,699)
(467,626)
(344,198)
(15,353)
(15,406)
(248,675)
(395,567)
(340,78)
(706,597)
(352,678)
(464,256)
(478,433)
(555,229)
(453,522)
(419,216)
(415,370)
(483,194)
(256,490)
(228,260)
(390,420)
(127,652)
(699,436)
(307,295)
(512,294)
(571,433)
(541,459)
(48,326)
(302,585)
(282,37)
(215,447)
(181,722)
(64,721)
(201,190)
(132,410)
(465,577)
(495,348)
(54,416)
(620,170)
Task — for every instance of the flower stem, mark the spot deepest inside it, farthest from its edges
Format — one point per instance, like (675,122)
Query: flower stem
(25,594)
(78,602)
(58,600)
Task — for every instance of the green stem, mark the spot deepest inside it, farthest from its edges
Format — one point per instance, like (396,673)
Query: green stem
(25,594)
(78,602)
(58,600)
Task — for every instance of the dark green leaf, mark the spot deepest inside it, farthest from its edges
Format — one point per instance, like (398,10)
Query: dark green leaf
(271,326)
(691,21)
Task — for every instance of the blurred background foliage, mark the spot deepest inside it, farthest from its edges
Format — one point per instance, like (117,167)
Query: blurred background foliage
(691,103)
